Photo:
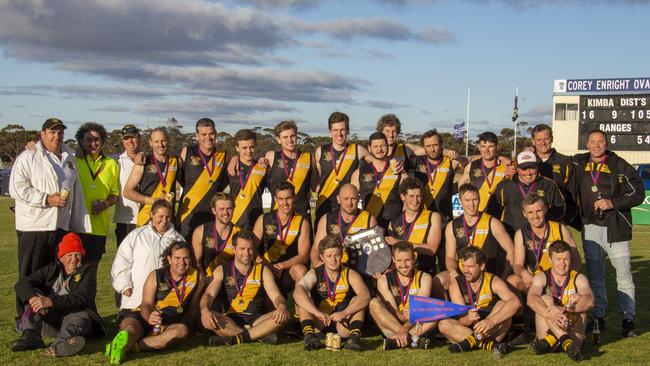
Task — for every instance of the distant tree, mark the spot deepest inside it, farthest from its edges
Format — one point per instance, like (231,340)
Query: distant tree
(13,138)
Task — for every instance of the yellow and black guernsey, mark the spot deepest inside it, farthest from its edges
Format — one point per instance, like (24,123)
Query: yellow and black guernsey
(173,298)
(336,170)
(486,179)
(332,294)
(201,177)
(158,179)
(415,232)
(401,291)
(437,178)
(246,188)
(478,235)
(336,225)
(484,298)
(561,292)
(216,250)
(379,192)
(298,172)
(280,241)
(537,258)
(243,292)
(505,201)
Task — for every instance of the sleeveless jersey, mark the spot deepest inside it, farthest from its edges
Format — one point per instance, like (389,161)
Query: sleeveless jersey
(216,250)
(252,296)
(280,244)
(561,292)
(150,184)
(379,192)
(486,184)
(401,293)
(329,295)
(537,258)
(480,236)
(335,225)
(298,173)
(198,188)
(170,299)
(485,299)
(248,200)
(438,181)
(416,233)
(332,179)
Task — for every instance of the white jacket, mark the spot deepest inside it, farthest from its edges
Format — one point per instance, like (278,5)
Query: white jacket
(137,256)
(32,179)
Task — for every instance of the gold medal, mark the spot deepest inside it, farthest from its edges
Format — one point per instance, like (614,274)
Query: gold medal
(210,181)
(378,194)
(179,309)
(283,251)
(242,196)
(594,188)
(336,180)
(241,301)
(433,191)
(164,191)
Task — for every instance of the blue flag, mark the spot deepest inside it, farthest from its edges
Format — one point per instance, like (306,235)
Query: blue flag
(425,309)
(459,130)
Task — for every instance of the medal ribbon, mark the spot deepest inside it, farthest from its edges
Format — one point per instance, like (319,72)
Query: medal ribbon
(179,294)
(542,243)
(94,175)
(285,165)
(205,163)
(434,170)
(240,290)
(554,286)
(218,247)
(331,290)
(600,169)
(485,174)
(473,236)
(530,189)
(281,230)
(407,233)
(473,301)
(163,178)
(244,181)
(379,177)
(341,226)
(336,165)
(404,290)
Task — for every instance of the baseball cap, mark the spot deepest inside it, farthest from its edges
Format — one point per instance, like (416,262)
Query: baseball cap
(53,124)
(129,131)
(526,159)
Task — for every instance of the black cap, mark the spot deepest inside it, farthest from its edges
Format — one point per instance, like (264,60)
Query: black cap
(130,131)
(53,124)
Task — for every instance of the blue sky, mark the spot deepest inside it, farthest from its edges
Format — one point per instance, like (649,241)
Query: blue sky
(256,62)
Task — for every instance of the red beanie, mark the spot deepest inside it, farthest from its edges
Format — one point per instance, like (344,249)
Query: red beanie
(71,243)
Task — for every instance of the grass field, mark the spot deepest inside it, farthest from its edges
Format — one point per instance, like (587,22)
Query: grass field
(614,350)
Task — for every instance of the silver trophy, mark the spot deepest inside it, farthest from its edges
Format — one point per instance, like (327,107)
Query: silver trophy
(367,251)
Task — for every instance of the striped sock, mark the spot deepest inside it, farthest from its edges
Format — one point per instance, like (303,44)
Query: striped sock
(355,328)
(487,344)
(307,327)
(565,342)
(551,340)
(243,337)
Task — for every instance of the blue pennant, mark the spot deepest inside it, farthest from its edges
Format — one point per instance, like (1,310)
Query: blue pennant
(426,309)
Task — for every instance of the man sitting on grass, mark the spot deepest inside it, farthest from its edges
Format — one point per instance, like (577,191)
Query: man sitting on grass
(169,307)
(331,298)
(560,298)
(494,304)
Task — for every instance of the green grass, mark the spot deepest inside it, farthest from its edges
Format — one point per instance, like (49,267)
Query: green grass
(614,350)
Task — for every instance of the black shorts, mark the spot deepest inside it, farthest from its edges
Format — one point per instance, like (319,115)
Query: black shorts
(95,246)
(286,284)
(134,314)
(242,319)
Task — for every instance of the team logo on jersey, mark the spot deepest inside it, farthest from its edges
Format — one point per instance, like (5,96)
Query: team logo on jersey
(270,229)
(557,169)
(394,291)
(478,173)
(422,168)
(164,287)
(230,281)
(77,277)
(368,177)
(540,192)
(152,169)
(327,156)
(195,160)
(460,232)
(399,230)
(334,229)
(280,164)
(209,242)
(322,287)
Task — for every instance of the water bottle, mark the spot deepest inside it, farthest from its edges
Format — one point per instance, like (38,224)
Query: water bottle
(414,341)
(599,213)
(595,332)
(156,329)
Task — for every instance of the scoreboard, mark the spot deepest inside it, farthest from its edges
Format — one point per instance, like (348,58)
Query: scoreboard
(625,119)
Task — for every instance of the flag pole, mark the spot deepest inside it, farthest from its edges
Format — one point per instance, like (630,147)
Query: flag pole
(515,116)
(467,126)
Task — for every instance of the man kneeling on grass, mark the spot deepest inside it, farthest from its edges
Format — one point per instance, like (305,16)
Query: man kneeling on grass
(245,285)
(390,309)
(169,307)
(331,298)
(560,298)
(60,303)
(494,304)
